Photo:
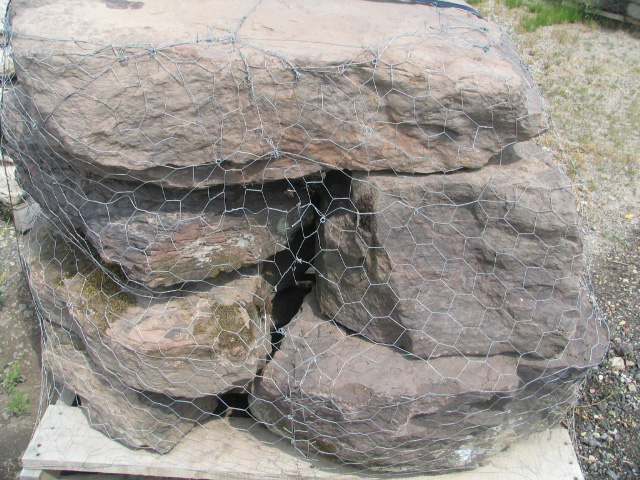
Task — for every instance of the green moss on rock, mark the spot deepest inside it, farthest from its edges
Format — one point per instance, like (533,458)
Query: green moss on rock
(226,327)
(104,297)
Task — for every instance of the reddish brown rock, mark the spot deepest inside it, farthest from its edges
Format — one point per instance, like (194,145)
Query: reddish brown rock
(475,262)
(135,418)
(339,394)
(266,92)
(162,237)
(201,341)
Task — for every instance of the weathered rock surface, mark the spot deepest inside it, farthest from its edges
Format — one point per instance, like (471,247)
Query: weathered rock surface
(135,418)
(266,92)
(162,237)
(11,194)
(472,263)
(191,343)
(368,404)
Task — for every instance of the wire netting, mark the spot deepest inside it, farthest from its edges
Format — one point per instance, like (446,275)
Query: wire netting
(317,225)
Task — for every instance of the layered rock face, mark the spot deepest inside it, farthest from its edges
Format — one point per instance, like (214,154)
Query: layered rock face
(331,213)
(204,340)
(137,419)
(340,394)
(473,263)
(273,95)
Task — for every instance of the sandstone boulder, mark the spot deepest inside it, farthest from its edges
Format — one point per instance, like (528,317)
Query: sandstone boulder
(161,237)
(265,92)
(339,394)
(135,418)
(201,341)
(478,262)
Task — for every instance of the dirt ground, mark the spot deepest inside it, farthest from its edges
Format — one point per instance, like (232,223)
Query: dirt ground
(589,74)
(19,353)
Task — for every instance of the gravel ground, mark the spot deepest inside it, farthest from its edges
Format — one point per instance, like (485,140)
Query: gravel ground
(608,415)
(19,354)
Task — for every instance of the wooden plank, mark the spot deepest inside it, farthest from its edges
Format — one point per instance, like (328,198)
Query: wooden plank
(27,474)
(240,449)
(614,16)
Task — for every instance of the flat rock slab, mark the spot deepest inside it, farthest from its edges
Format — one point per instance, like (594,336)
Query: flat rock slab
(248,91)
(191,343)
(338,394)
(162,237)
(134,418)
(480,262)
(237,449)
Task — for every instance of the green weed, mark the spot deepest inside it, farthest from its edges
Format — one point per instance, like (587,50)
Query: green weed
(542,13)
(19,403)
(13,377)
(545,14)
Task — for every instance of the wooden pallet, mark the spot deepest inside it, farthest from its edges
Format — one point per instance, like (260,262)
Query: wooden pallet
(240,449)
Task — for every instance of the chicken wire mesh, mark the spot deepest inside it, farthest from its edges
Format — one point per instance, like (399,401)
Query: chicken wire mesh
(297,228)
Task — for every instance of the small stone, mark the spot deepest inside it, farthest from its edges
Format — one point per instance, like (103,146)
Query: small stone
(624,349)
(617,363)
(613,475)
(632,388)
(592,459)
(7,414)
(592,442)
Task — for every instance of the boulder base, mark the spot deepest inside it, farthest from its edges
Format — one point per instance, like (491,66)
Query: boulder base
(338,394)
(135,418)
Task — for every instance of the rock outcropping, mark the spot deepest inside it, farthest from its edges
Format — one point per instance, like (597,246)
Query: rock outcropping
(331,213)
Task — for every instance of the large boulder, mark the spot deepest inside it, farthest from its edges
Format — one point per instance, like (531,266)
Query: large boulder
(205,340)
(337,393)
(161,237)
(478,262)
(266,92)
(135,418)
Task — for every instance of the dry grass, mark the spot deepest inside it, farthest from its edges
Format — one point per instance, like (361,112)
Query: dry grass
(589,75)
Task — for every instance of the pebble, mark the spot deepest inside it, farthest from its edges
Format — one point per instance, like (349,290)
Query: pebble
(592,442)
(617,363)
(632,388)
(613,475)
(625,349)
